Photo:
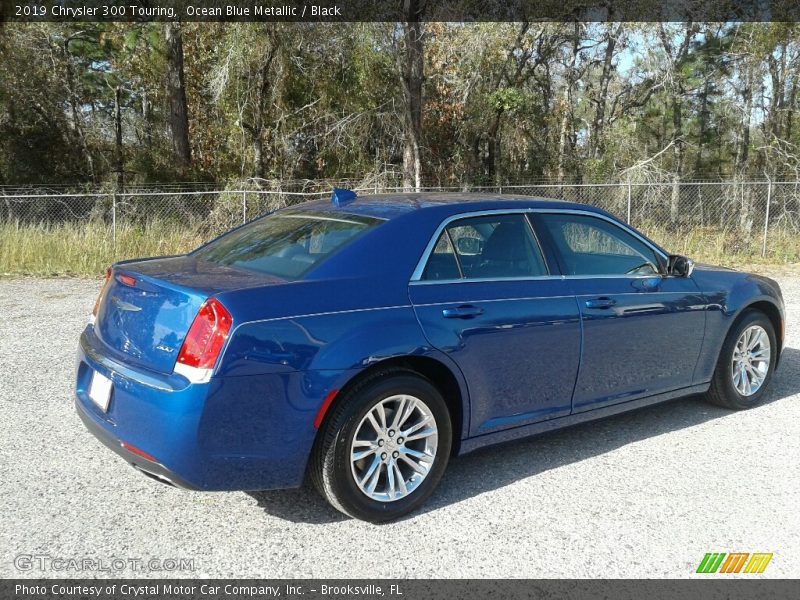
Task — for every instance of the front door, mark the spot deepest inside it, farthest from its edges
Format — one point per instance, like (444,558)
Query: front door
(642,330)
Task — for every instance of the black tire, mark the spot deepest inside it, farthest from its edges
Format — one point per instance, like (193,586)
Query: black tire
(330,468)
(722,391)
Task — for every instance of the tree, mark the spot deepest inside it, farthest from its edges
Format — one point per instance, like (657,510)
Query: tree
(410,64)
(176,92)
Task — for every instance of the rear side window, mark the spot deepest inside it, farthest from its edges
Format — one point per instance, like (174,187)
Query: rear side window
(286,244)
(591,246)
(490,247)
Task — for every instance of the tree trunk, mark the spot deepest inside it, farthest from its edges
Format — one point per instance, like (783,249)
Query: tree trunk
(701,138)
(148,126)
(264,93)
(74,103)
(679,152)
(743,148)
(119,158)
(411,65)
(258,157)
(566,131)
(176,92)
(601,102)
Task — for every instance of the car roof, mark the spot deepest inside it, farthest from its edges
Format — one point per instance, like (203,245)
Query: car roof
(389,206)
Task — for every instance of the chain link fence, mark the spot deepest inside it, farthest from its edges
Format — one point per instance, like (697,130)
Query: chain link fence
(53,232)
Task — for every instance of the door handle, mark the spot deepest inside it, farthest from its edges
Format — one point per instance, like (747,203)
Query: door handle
(600,303)
(465,311)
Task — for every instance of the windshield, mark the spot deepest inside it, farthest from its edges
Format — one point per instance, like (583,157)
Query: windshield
(286,244)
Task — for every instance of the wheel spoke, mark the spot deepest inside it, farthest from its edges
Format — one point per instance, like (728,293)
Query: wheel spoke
(754,340)
(375,477)
(375,425)
(413,464)
(372,470)
(401,405)
(400,480)
(418,425)
(390,477)
(363,454)
(407,412)
(421,456)
(381,412)
(421,435)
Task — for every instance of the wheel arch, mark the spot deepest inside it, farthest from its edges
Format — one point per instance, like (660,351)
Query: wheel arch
(443,378)
(771,310)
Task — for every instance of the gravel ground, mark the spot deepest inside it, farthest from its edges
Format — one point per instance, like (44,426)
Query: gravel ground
(645,494)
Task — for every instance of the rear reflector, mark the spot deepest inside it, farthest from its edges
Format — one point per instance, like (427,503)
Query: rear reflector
(126,280)
(326,404)
(138,452)
(101,295)
(204,342)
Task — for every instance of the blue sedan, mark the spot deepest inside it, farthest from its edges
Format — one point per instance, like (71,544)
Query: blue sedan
(359,343)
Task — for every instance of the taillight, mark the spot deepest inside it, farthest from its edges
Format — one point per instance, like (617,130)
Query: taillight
(100,296)
(204,342)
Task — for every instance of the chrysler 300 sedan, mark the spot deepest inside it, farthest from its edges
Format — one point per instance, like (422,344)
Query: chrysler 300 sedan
(359,343)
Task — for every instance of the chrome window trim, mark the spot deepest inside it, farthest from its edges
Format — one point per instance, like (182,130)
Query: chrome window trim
(416,276)
(485,279)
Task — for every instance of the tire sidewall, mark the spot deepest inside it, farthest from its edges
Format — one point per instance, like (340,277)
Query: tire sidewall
(342,481)
(724,369)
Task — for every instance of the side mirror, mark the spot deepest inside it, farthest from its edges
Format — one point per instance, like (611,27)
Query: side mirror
(469,246)
(680,266)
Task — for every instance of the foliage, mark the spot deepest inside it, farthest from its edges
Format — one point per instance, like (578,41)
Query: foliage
(502,101)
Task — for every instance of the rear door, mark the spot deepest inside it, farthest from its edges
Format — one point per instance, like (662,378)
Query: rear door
(642,330)
(487,299)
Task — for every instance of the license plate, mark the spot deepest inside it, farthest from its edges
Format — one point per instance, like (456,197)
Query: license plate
(100,391)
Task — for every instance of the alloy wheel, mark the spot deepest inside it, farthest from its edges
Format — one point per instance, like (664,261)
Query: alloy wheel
(751,360)
(394,448)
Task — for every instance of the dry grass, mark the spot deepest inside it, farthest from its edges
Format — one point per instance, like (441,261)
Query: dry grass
(727,248)
(86,249)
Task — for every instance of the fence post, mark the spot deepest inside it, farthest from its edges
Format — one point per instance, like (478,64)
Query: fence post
(244,207)
(114,224)
(629,202)
(766,219)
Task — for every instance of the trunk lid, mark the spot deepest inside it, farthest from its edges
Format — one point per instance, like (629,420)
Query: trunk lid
(149,305)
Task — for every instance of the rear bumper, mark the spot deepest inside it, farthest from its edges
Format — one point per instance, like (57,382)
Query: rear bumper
(154,469)
(232,433)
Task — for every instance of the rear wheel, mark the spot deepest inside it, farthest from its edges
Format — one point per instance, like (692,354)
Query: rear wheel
(745,364)
(385,447)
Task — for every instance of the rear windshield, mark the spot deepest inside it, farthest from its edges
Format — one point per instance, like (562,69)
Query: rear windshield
(286,244)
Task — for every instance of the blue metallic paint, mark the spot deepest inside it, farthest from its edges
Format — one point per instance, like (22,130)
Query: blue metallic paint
(531,324)
(516,364)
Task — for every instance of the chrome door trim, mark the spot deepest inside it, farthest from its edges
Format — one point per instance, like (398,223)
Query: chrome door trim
(416,276)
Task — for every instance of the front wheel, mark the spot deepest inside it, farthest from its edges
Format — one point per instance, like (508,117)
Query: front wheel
(385,447)
(746,363)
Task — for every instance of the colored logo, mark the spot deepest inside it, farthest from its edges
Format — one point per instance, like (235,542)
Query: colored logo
(734,562)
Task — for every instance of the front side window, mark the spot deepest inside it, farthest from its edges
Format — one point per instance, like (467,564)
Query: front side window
(490,247)
(286,244)
(591,246)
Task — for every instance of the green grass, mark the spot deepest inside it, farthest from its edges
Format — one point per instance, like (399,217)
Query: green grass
(86,249)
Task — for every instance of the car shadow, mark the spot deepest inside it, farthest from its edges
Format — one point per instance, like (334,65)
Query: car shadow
(520,459)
